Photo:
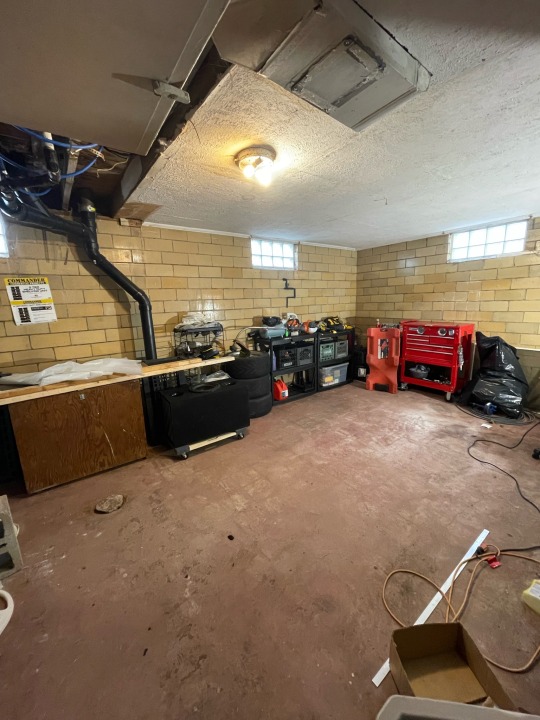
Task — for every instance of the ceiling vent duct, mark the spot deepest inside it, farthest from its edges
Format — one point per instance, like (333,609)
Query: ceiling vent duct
(342,61)
(336,56)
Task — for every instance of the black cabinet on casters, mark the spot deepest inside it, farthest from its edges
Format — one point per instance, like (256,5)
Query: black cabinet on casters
(296,356)
(334,350)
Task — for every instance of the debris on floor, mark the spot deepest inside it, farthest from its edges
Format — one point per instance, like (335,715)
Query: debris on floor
(440,661)
(110,504)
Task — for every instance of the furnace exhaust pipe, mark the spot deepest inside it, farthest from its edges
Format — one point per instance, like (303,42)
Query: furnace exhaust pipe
(37,216)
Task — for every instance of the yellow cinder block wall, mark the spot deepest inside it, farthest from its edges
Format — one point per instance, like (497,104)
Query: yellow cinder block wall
(185,271)
(181,271)
(414,280)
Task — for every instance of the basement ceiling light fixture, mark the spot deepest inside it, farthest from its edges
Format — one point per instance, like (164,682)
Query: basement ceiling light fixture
(257,163)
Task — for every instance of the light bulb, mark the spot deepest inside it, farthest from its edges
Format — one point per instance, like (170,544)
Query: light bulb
(263,175)
(256,163)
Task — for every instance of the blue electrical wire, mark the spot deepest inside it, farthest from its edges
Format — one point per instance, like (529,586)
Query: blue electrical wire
(63,177)
(4,159)
(35,194)
(58,143)
(84,169)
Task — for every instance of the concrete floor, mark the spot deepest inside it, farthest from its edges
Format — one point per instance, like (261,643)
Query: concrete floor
(153,612)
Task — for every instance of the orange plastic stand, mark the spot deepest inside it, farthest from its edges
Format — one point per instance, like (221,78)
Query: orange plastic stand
(383,358)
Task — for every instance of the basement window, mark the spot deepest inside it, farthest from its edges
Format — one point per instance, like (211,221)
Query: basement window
(4,250)
(490,241)
(271,254)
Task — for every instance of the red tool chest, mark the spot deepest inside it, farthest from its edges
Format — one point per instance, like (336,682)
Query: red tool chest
(444,348)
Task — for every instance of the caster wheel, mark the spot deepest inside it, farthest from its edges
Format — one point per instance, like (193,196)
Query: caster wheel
(240,436)
(184,456)
(403,386)
(448,397)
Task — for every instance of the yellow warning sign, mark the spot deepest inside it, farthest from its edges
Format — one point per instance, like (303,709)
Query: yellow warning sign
(30,299)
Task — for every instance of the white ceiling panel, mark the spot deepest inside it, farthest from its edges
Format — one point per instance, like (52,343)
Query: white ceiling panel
(461,153)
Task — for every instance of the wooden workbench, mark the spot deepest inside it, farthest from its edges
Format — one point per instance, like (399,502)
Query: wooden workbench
(74,429)
(20,394)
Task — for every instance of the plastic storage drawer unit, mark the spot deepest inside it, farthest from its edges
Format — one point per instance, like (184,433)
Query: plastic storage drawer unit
(333,374)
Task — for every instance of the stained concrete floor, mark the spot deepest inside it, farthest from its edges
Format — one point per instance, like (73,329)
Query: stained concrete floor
(153,612)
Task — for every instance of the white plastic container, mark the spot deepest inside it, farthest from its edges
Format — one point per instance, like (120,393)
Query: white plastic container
(333,374)
(402,707)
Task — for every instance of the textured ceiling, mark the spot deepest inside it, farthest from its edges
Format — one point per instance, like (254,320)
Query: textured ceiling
(464,152)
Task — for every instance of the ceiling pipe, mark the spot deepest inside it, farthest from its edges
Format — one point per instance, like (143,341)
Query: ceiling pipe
(36,215)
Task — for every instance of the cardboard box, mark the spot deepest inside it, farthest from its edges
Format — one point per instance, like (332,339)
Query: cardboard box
(441,661)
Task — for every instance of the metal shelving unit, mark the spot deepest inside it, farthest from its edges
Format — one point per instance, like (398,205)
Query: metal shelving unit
(192,341)
(276,346)
(294,343)
(327,338)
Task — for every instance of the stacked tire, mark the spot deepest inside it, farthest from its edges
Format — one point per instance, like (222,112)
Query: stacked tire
(253,371)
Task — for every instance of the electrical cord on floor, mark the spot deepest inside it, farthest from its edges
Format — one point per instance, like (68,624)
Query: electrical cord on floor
(525,549)
(507,447)
(456,614)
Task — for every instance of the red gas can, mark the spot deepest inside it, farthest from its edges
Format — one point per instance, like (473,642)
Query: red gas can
(281,391)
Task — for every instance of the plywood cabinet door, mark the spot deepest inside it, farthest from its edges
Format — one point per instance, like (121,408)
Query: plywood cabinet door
(69,436)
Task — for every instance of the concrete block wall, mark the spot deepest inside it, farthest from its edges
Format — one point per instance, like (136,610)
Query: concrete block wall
(501,296)
(181,271)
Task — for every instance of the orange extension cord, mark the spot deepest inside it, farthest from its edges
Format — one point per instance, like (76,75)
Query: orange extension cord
(456,614)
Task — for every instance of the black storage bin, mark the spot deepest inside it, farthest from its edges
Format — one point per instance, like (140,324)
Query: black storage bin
(305,354)
(191,417)
(342,349)
(285,357)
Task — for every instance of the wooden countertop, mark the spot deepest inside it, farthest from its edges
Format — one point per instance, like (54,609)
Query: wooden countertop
(20,394)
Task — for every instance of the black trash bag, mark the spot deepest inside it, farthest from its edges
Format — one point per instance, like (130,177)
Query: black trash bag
(498,356)
(500,379)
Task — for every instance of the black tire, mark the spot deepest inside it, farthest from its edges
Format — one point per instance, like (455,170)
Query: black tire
(247,368)
(258,387)
(260,406)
